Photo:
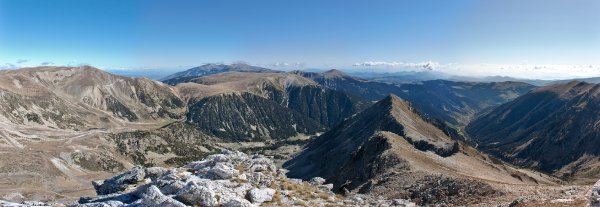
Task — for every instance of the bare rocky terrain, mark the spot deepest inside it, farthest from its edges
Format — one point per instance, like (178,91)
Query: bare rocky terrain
(390,146)
(57,97)
(51,119)
(63,127)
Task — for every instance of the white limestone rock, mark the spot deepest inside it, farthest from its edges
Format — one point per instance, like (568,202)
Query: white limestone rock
(595,195)
(102,204)
(228,179)
(259,196)
(222,171)
(193,194)
(152,197)
(317,181)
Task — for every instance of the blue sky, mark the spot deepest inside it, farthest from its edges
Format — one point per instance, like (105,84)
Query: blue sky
(320,33)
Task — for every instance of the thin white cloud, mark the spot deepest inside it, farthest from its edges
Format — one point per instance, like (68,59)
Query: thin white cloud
(428,65)
(7,66)
(528,71)
(297,65)
(47,63)
(21,61)
(279,64)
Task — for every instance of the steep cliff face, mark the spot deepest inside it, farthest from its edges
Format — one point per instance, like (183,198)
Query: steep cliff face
(328,107)
(554,129)
(247,117)
(59,97)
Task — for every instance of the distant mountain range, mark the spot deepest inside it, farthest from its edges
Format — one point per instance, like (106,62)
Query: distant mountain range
(210,69)
(452,102)
(374,75)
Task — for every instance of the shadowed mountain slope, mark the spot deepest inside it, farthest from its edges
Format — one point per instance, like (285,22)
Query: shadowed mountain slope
(390,146)
(554,128)
(247,117)
(456,103)
(327,107)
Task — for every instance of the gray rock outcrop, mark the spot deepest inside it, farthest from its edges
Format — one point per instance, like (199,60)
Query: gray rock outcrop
(231,179)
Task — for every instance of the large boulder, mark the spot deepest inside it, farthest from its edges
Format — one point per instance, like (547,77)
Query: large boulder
(152,197)
(193,194)
(120,182)
(259,196)
(222,171)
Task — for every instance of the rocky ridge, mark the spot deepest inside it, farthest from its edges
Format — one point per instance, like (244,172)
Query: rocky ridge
(225,179)
(391,146)
(57,97)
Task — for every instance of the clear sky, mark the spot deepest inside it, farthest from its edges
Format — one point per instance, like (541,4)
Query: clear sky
(457,35)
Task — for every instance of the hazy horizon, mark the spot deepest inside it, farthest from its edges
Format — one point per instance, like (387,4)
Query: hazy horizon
(532,39)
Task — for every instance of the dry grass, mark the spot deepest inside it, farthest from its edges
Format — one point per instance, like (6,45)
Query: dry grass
(277,199)
(300,203)
(240,168)
(299,189)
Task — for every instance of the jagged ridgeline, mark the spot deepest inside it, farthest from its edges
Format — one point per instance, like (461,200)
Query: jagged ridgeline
(391,146)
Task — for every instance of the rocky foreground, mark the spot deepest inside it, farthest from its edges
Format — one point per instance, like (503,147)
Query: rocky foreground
(226,179)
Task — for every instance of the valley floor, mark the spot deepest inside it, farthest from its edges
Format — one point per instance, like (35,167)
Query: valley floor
(56,165)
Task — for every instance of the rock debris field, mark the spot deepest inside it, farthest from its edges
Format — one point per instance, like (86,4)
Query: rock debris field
(229,179)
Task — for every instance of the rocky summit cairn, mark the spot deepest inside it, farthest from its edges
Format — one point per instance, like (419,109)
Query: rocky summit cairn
(225,179)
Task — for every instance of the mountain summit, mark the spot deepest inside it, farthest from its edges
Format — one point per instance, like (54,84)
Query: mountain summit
(83,97)
(390,146)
